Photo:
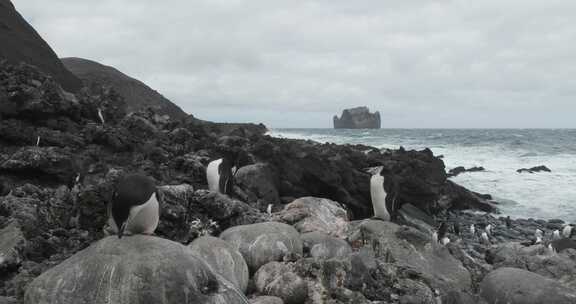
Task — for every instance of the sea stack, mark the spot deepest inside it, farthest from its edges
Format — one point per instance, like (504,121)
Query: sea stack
(357,118)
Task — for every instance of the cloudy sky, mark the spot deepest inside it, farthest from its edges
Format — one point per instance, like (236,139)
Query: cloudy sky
(296,63)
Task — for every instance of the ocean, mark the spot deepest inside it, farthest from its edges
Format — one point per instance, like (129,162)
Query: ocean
(500,151)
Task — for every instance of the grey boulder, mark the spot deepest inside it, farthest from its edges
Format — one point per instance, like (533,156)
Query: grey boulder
(309,214)
(223,259)
(257,181)
(136,269)
(11,242)
(517,286)
(407,248)
(266,300)
(264,242)
(323,246)
(277,279)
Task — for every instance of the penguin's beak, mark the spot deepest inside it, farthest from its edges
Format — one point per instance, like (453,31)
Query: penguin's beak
(121,231)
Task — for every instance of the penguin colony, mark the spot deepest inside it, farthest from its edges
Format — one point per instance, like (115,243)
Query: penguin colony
(135,208)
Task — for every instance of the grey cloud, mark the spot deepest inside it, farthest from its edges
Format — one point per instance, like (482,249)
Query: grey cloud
(422,63)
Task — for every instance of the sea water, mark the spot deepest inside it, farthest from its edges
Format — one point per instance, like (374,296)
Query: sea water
(500,151)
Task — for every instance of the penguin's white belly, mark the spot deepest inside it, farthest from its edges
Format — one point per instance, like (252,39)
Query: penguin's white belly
(378,197)
(213,176)
(144,218)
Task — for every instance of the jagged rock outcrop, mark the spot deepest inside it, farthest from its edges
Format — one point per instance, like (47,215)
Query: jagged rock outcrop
(138,96)
(21,43)
(357,118)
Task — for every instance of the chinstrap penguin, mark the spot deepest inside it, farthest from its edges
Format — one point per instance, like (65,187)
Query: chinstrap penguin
(220,172)
(378,196)
(484,238)
(134,208)
(385,204)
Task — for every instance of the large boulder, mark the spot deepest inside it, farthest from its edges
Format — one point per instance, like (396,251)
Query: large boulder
(266,300)
(277,279)
(11,243)
(49,161)
(536,259)
(308,214)
(534,169)
(135,269)
(322,246)
(517,286)
(410,249)
(224,209)
(223,259)
(258,182)
(264,242)
(357,118)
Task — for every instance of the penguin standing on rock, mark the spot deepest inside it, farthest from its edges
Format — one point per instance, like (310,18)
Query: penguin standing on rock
(220,174)
(442,231)
(135,208)
(567,231)
(384,204)
(378,195)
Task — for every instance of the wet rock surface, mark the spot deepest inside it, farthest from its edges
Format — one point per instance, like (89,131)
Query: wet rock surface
(459,170)
(534,169)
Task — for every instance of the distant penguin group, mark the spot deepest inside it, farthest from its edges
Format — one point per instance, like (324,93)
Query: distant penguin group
(134,208)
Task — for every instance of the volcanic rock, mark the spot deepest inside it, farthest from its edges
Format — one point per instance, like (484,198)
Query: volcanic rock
(534,169)
(259,182)
(21,43)
(138,96)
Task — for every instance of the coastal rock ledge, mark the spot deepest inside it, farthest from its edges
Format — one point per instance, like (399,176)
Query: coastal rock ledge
(357,118)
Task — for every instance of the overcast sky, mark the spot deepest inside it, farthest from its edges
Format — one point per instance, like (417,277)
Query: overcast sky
(296,63)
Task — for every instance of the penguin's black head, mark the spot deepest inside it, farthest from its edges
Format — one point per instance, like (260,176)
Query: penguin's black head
(130,191)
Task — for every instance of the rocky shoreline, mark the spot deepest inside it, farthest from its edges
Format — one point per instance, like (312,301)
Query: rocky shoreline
(318,245)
